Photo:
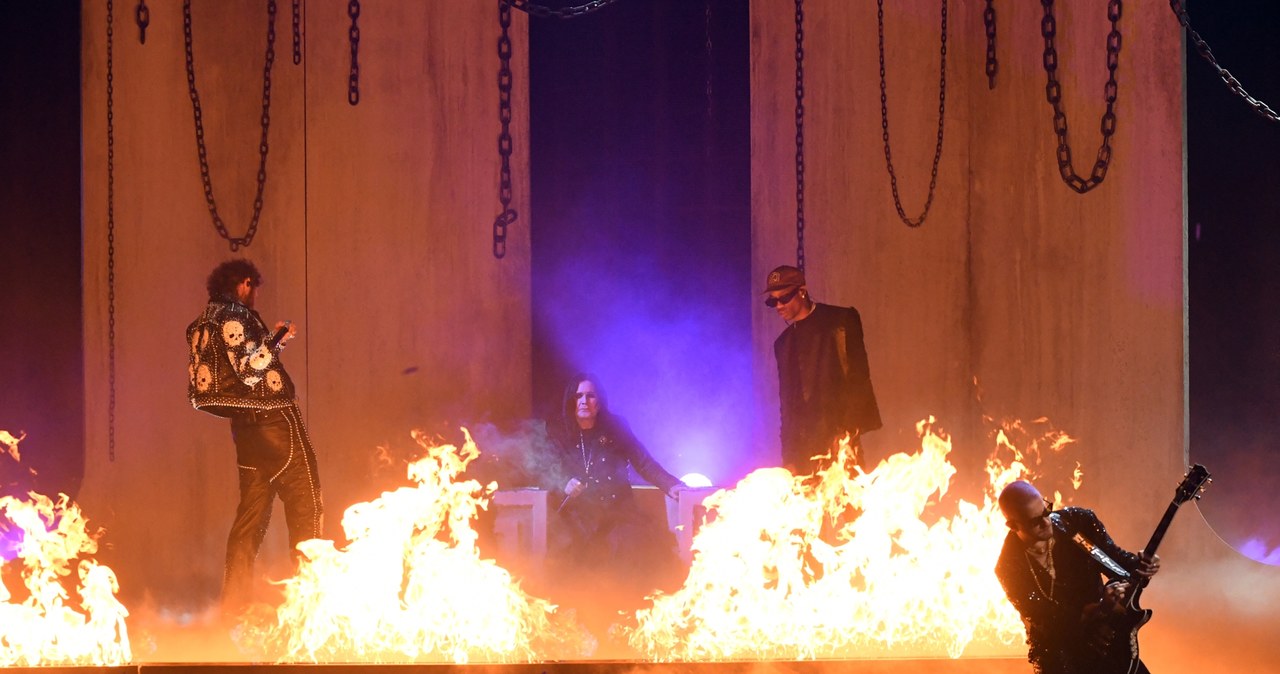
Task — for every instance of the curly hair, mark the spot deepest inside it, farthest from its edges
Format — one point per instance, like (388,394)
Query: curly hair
(224,278)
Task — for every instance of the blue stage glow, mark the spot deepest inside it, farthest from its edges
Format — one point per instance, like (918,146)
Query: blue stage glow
(672,351)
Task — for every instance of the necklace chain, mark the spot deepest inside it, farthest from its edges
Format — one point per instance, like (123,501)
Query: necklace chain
(587,458)
(1048,567)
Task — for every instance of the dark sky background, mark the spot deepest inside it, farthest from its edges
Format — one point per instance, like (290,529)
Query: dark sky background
(641,252)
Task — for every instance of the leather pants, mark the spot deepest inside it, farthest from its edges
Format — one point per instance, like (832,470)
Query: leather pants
(270,433)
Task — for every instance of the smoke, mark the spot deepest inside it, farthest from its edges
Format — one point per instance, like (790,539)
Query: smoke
(672,351)
(521,456)
(1213,615)
(1242,502)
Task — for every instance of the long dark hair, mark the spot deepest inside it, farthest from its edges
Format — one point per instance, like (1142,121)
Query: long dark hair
(569,406)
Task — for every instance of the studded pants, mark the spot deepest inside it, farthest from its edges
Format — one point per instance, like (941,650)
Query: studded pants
(278,433)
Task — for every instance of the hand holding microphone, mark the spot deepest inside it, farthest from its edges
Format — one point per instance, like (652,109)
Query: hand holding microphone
(285,331)
(571,489)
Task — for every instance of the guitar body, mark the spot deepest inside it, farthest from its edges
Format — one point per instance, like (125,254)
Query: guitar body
(1120,654)
(1117,651)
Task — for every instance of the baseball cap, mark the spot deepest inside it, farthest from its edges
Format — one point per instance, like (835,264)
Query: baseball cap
(784,277)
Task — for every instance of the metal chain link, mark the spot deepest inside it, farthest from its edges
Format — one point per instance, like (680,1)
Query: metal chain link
(142,15)
(1053,92)
(353,35)
(884,119)
(551,12)
(508,214)
(989,21)
(236,242)
(800,134)
(297,32)
(1232,83)
(111,237)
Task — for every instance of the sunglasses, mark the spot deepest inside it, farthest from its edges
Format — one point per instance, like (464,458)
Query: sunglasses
(1048,510)
(772,301)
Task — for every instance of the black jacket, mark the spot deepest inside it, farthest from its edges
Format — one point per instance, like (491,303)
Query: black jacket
(231,366)
(824,382)
(1051,611)
(599,457)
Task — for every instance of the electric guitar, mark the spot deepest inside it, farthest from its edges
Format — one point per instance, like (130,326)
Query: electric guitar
(1120,653)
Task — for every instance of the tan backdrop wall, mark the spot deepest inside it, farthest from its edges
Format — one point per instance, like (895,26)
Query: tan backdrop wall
(1061,305)
(375,238)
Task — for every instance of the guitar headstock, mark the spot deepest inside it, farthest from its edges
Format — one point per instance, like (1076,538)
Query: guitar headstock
(1196,480)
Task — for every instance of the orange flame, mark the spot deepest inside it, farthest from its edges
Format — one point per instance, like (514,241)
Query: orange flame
(48,628)
(411,585)
(11,443)
(841,565)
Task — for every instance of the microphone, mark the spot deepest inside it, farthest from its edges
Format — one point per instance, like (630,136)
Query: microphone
(572,489)
(274,340)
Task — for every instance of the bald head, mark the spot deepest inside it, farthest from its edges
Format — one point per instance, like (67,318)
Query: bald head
(1026,511)
(1018,494)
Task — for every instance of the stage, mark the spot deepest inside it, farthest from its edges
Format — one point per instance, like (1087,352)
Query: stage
(883,666)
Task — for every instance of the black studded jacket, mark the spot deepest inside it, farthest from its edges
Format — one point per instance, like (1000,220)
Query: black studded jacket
(231,366)
(1052,609)
(599,458)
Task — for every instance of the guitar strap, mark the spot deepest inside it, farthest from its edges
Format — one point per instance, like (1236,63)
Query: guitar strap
(1101,557)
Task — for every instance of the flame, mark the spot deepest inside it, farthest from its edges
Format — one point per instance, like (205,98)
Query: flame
(843,565)
(49,627)
(8,440)
(411,585)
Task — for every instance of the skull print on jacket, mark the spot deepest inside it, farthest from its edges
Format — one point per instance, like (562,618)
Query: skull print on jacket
(231,367)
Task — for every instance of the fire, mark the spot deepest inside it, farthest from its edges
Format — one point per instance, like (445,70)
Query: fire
(1033,449)
(11,443)
(50,627)
(842,565)
(411,585)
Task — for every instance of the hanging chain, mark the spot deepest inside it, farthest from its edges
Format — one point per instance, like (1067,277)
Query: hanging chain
(989,21)
(111,238)
(353,35)
(236,242)
(508,214)
(142,15)
(1053,92)
(800,134)
(1232,83)
(884,119)
(297,32)
(544,12)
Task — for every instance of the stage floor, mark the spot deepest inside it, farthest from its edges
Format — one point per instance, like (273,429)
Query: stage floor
(880,666)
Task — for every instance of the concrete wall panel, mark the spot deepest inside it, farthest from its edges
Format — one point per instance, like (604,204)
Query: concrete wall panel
(374,239)
(1061,305)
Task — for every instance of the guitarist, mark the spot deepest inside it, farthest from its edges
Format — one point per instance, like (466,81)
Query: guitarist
(1057,586)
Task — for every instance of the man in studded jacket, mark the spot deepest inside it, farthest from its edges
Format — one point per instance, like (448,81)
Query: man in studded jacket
(1057,586)
(235,372)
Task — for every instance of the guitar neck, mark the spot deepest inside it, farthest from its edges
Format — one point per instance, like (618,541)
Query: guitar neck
(1158,535)
(1192,484)
(1150,549)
